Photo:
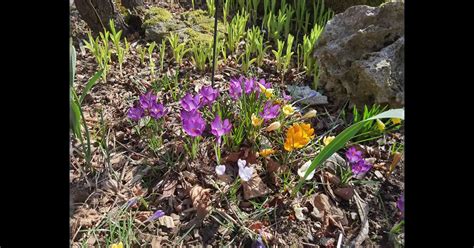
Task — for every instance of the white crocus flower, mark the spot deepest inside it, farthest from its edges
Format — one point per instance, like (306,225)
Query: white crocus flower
(304,168)
(220,169)
(245,173)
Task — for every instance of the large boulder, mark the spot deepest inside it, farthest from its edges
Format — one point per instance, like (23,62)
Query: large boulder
(361,55)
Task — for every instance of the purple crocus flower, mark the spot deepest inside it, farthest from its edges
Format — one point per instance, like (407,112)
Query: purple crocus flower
(353,155)
(235,88)
(147,100)
(190,102)
(136,113)
(131,202)
(250,85)
(286,97)
(193,123)
(156,215)
(270,111)
(157,110)
(220,128)
(208,95)
(401,204)
(361,167)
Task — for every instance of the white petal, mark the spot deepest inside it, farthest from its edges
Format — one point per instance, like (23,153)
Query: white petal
(241,163)
(304,168)
(245,173)
(220,170)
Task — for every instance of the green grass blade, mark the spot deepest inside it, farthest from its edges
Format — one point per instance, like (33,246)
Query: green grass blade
(90,84)
(75,116)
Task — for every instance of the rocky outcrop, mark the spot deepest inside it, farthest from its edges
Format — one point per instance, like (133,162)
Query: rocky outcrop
(361,55)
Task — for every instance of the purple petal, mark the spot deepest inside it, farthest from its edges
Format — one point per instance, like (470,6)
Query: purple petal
(147,100)
(157,110)
(136,113)
(156,215)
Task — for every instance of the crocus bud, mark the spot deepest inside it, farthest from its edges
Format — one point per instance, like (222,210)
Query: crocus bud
(274,126)
(310,114)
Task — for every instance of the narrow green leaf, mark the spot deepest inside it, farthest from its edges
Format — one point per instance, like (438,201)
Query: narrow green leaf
(90,84)
(72,65)
(75,115)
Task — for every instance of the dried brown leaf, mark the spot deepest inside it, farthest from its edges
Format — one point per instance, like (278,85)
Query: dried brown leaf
(333,179)
(156,242)
(86,217)
(169,188)
(200,198)
(254,187)
(345,193)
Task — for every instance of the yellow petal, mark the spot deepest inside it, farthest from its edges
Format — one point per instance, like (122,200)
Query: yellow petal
(268,93)
(328,139)
(380,125)
(274,126)
(256,121)
(309,114)
(266,152)
(298,135)
(288,110)
(117,245)
(396,121)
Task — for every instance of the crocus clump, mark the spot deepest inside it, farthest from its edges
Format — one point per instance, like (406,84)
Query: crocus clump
(208,95)
(235,88)
(358,164)
(270,111)
(193,123)
(190,102)
(147,106)
(248,86)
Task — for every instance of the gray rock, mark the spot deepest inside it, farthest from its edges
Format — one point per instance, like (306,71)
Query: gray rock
(361,55)
(309,96)
(339,6)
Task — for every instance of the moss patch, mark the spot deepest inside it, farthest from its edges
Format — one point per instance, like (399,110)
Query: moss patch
(155,15)
(200,18)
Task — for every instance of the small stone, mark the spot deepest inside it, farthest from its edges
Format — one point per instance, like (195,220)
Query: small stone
(310,97)
(353,215)
(378,174)
(120,135)
(166,221)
